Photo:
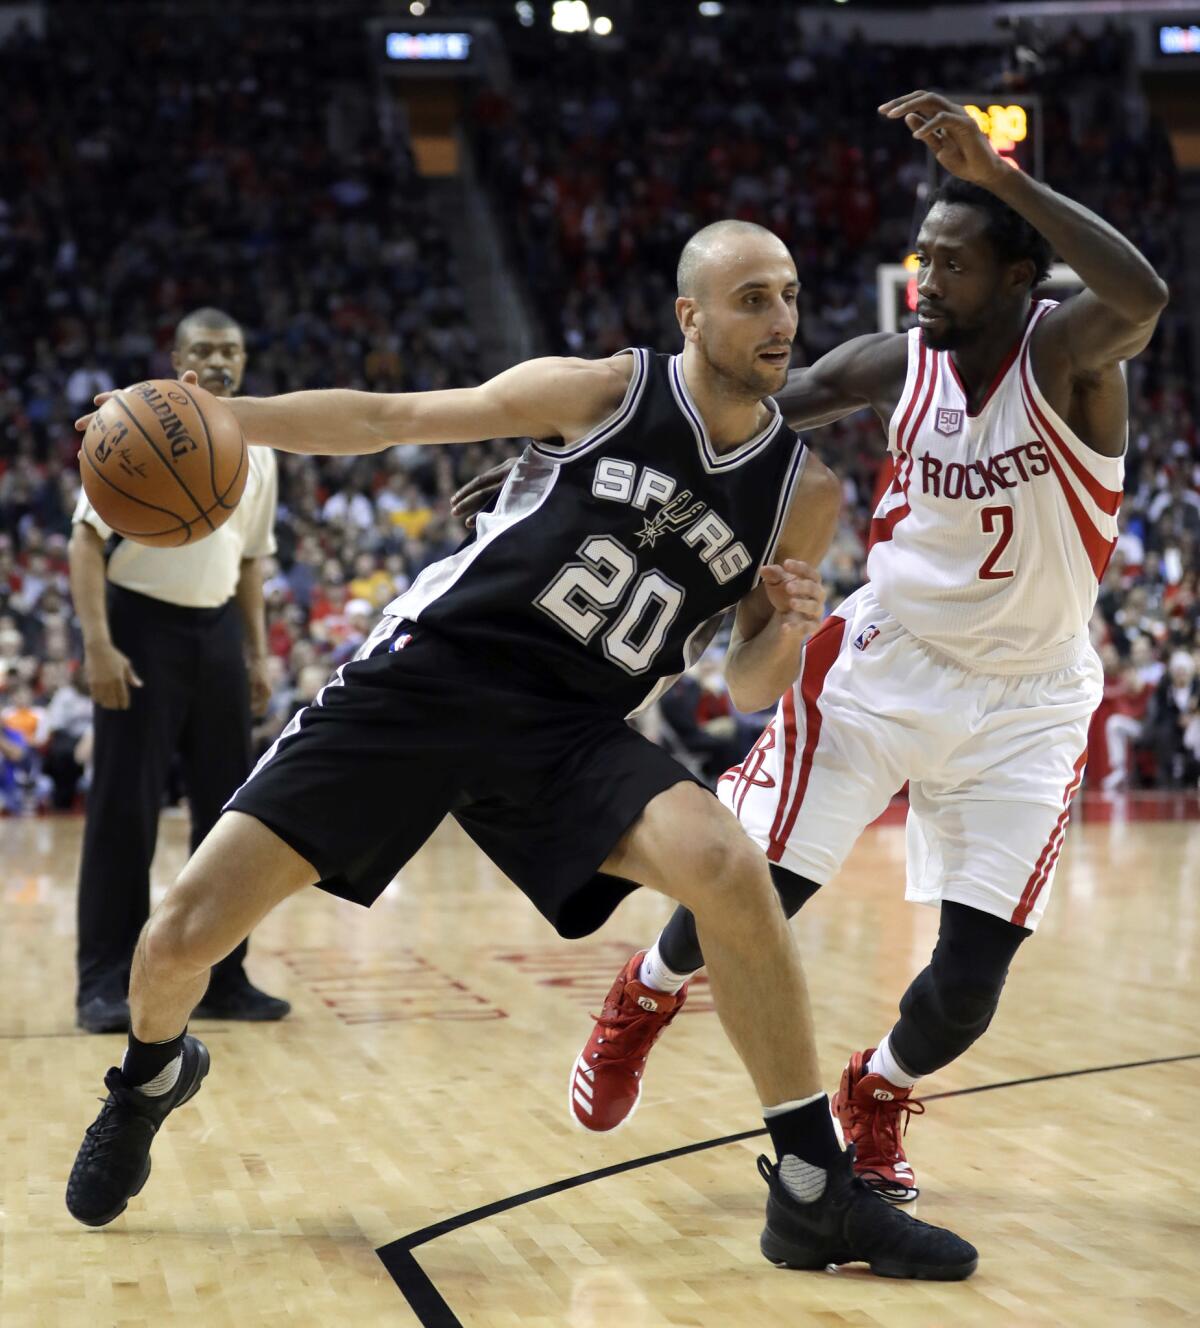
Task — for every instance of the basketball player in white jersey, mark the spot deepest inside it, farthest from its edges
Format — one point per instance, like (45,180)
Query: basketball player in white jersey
(964,665)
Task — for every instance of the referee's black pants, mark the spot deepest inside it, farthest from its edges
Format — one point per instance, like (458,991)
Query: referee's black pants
(195,701)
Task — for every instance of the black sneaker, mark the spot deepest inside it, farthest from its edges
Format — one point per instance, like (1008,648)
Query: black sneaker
(103,1015)
(113,1162)
(242,1001)
(850,1223)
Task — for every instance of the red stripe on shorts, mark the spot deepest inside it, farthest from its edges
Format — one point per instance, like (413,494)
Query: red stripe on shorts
(819,655)
(789,757)
(1049,855)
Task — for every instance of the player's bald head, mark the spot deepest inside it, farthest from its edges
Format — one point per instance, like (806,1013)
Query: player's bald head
(726,248)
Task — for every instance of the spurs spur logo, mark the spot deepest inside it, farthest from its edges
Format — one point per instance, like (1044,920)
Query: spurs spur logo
(676,514)
(619,481)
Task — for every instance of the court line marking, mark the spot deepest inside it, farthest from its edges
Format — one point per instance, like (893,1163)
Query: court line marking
(426,1301)
(83,1033)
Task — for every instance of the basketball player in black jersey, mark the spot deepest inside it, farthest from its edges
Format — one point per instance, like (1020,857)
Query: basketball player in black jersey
(497,687)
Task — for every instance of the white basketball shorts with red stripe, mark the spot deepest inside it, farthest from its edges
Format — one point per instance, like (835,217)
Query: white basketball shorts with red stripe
(992,763)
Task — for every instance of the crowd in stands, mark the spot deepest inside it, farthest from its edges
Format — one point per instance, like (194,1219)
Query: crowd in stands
(244,166)
(232,164)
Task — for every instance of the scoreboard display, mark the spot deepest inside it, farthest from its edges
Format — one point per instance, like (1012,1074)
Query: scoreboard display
(428,47)
(1011,123)
(1013,129)
(1175,39)
(423,50)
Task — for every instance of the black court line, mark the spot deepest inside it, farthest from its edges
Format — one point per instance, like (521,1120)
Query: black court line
(38,1037)
(426,1301)
(83,1033)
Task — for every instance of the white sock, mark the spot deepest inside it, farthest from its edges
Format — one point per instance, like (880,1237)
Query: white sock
(163,1081)
(801,1179)
(885,1063)
(657,976)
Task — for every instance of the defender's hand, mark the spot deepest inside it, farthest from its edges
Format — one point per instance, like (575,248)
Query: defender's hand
(953,137)
(796,594)
(477,493)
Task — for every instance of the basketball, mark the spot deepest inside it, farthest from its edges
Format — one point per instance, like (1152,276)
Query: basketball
(164,463)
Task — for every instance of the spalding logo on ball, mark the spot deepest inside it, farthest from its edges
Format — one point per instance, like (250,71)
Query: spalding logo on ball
(164,463)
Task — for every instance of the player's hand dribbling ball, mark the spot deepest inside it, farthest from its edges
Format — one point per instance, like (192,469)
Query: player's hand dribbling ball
(164,462)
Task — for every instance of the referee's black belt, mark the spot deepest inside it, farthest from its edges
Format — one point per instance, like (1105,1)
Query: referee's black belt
(163,609)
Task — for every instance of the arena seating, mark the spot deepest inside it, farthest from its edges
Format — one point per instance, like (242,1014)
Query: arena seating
(284,208)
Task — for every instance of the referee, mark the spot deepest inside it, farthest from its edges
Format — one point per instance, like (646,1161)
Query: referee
(175,655)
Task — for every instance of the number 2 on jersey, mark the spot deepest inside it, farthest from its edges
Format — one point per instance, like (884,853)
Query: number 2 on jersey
(579,594)
(991,518)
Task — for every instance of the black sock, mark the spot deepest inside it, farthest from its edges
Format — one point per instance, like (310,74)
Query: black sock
(807,1133)
(145,1060)
(679,946)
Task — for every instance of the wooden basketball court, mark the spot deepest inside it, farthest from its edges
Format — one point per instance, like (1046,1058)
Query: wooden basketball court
(398,1152)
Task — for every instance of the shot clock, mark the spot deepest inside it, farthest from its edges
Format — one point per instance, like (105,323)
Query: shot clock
(1012,123)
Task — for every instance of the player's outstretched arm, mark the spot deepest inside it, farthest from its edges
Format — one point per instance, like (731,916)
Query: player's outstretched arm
(779,614)
(1115,316)
(551,397)
(859,373)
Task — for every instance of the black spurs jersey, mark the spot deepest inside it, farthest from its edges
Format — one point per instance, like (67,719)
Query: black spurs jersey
(608,563)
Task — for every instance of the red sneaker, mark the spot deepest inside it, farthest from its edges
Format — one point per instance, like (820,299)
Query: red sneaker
(869,1110)
(606,1079)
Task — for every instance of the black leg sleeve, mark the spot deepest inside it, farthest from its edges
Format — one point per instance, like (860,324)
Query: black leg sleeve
(950,1004)
(679,945)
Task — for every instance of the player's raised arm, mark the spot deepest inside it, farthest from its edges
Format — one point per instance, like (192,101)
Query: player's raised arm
(861,372)
(1115,316)
(779,614)
(552,397)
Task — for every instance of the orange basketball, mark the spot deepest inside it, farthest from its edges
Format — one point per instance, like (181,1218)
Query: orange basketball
(164,463)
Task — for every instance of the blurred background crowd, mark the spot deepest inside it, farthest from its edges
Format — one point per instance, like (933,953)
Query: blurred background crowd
(270,194)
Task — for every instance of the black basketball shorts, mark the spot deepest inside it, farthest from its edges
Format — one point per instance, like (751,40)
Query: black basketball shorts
(417,727)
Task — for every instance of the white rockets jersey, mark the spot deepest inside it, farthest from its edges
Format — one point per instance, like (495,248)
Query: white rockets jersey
(990,543)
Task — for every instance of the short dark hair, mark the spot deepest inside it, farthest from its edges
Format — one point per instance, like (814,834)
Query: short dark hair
(208,318)
(1011,236)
